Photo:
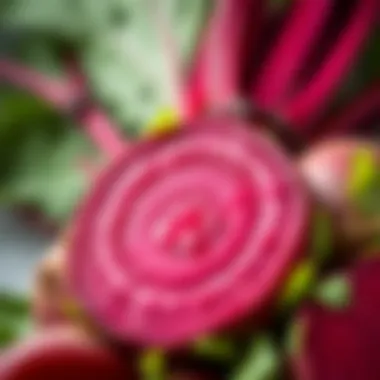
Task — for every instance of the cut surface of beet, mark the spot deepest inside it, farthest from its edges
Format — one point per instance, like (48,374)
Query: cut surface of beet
(61,353)
(185,234)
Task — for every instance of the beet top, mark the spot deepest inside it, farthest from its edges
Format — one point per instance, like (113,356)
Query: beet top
(336,343)
(187,233)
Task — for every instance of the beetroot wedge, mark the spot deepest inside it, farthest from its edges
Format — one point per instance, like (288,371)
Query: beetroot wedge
(61,353)
(337,343)
(185,234)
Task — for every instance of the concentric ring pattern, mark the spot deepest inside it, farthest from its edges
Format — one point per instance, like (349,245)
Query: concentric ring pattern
(185,234)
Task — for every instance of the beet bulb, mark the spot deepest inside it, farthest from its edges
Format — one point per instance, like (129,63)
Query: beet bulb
(61,353)
(344,175)
(188,233)
(338,340)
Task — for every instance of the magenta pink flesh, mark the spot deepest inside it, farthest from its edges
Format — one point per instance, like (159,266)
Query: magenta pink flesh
(186,234)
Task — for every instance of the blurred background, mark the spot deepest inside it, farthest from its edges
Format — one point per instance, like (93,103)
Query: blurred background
(128,66)
(20,250)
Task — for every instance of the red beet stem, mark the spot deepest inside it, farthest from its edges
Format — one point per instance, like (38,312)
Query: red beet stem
(215,79)
(63,94)
(291,50)
(310,101)
(349,119)
(187,234)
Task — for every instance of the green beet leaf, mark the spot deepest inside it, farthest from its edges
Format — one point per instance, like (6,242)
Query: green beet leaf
(14,318)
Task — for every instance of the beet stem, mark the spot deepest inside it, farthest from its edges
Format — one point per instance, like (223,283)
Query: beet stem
(284,63)
(215,80)
(63,95)
(309,102)
(352,114)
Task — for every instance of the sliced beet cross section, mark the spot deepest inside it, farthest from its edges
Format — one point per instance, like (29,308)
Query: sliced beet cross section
(185,234)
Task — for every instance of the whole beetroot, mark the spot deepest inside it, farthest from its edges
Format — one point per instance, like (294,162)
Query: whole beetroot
(188,233)
(336,342)
(62,353)
(344,174)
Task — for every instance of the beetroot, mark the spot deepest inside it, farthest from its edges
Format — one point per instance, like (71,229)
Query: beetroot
(197,227)
(342,343)
(61,353)
(343,173)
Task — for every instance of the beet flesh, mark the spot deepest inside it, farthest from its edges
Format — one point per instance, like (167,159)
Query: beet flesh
(186,234)
(337,344)
(61,353)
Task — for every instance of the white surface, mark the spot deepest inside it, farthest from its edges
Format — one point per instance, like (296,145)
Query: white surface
(20,250)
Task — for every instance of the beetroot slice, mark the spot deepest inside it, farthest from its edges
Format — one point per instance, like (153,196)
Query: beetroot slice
(61,354)
(343,344)
(185,234)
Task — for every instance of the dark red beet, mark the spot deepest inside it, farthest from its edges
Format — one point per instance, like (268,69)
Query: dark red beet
(343,344)
(61,354)
(186,234)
